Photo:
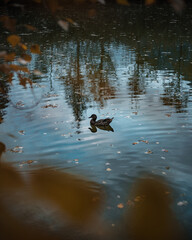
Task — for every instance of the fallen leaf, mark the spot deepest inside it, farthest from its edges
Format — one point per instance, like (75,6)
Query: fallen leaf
(28,162)
(35,49)
(120,205)
(149,152)
(134,143)
(108,169)
(13,40)
(49,105)
(164,150)
(17,149)
(168,115)
(64,25)
(22,132)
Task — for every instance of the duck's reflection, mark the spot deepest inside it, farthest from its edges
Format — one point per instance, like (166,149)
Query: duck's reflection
(93,128)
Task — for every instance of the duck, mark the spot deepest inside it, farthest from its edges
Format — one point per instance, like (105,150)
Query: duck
(101,122)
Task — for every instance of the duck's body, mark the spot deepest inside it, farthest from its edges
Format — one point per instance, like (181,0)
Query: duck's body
(101,122)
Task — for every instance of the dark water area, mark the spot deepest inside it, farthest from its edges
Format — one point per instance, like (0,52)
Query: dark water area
(130,63)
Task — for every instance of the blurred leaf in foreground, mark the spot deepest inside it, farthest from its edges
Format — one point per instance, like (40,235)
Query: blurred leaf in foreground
(151,217)
(77,198)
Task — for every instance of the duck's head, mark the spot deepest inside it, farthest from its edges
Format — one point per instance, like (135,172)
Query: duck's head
(93,116)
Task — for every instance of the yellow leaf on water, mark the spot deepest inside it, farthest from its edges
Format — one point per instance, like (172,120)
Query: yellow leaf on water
(14,40)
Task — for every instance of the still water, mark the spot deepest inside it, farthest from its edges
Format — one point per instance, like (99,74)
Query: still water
(133,64)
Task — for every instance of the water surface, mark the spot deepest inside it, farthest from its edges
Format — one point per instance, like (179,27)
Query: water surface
(132,64)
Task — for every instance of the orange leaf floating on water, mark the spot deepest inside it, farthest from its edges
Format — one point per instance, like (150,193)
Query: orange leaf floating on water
(10,57)
(17,149)
(35,49)
(120,205)
(168,115)
(13,40)
(49,105)
(64,25)
(28,162)
(134,143)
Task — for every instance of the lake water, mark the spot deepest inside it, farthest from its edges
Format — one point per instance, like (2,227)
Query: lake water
(133,64)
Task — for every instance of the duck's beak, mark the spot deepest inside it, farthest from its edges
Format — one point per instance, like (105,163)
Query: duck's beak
(90,117)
